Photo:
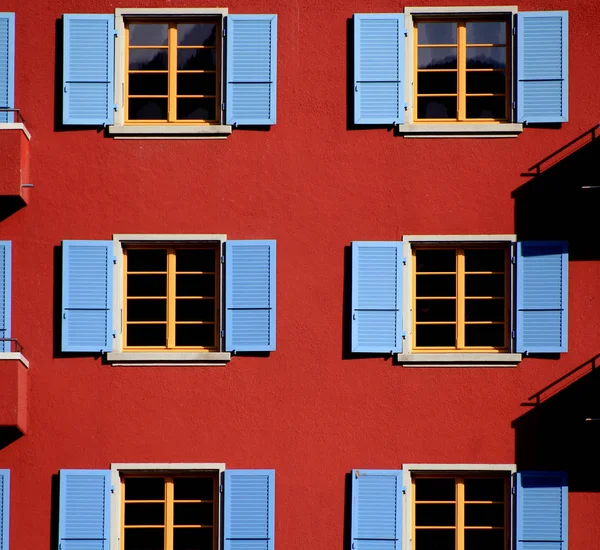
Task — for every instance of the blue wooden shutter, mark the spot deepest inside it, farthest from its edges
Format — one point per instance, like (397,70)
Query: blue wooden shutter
(84,510)
(251,84)
(5,294)
(542,66)
(376,297)
(378,68)
(88,69)
(87,296)
(7,66)
(249,509)
(250,295)
(376,509)
(542,289)
(4,508)
(542,499)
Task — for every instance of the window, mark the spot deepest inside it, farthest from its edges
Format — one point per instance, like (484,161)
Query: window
(459,299)
(167,507)
(170,298)
(462,507)
(475,70)
(7,66)
(169,71)
(4,507)
(5,295)
(462,69)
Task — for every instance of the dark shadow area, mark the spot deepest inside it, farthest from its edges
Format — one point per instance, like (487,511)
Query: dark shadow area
(254,128)
(347,511)
(544,125)
(10,205)
(562,428)
(54,505)
(8,435)
(561,199)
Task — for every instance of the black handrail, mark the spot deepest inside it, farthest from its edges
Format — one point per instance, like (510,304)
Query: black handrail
(17,112)
(14,344)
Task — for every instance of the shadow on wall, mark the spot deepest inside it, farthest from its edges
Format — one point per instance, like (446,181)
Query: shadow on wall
(8,435)
(562,429)
(561,199)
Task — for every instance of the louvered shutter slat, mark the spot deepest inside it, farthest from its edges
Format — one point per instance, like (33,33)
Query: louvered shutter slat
(251,85)
(542,67)
(378,68)
(7,66)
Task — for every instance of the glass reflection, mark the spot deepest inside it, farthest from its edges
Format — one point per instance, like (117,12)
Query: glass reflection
(437,58)
(486,58)
(196,34)
(196,60)
(148,60)
(437,33)
(148,34)
(486,32)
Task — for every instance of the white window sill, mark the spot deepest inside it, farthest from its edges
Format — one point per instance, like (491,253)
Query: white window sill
(220,131)
(459,359)
(14,356)
(459,130)
(164,359)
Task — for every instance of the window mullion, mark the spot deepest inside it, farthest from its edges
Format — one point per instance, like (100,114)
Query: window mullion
(460,513)
(460,298)
(172,66)
(169,513)
(171,267)
(462,69)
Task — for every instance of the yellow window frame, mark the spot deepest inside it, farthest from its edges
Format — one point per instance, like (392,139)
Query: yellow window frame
(460,297)
(172,72)
(460,502)
(169,502)
(461,69)
(171,298)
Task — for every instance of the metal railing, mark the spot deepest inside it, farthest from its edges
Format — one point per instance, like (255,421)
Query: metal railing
(14,345)
(17,112)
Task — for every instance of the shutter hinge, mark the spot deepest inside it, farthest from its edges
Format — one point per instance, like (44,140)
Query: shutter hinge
(513,490)
(223,32)
(514,31)
(221,488)
(513,260)
(112,488)
(114,333)
(403,489)
(514,105)
(115,107)
(513,334)
(404,336)
(114,259)
(222,106)
(406,106)
(116,33)
(223,259)
(405,32)
(222,334)
(404,260)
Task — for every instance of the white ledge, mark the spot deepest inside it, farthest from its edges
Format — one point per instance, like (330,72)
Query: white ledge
(460,130)
(14,356)
(459,359)
(218,131)
(165,359)
(15,126)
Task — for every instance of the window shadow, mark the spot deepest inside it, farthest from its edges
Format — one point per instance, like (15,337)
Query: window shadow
(54,507)
(347,511)
(561,429)
(561,198)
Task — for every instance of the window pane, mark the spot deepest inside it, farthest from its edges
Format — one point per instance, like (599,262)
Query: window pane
(196,84)
(194,310)
(195,335)
(148,59)
(436,335)
(436,539)
(193,488)
(148,84)
(486,107)
(484,285)
(436,107)
(144,514)
(484,489)
(195,285)
(486,32)
(148,109)
(437,58)
(193,59)
(436,285)
(147,335)
(441,515)
(196,109)
(435,489)
(486,58)
(195,260)
(484,310)
(148,34)
(144,539)
(486,82)
(193,513)
(196,34)
(485,335)
(485,260)
(488,515)
(436,310)
(147,310)
(144,488)
(146,285)
(154,259)
(437,33)
(192,539)
(435,260)
(476,539)
(436,83)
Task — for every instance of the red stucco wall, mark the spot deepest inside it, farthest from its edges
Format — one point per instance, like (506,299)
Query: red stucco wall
(315,186)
